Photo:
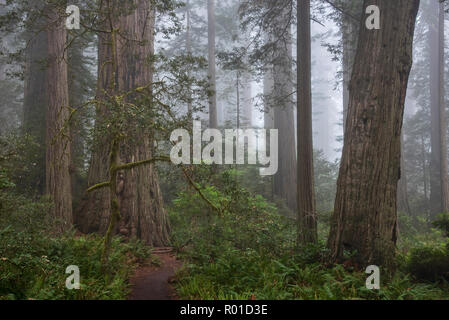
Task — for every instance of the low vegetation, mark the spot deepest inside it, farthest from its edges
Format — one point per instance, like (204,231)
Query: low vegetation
(250,253)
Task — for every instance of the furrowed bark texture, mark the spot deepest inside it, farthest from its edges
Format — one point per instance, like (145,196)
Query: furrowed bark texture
(307,224)
(350,32)
(140,199)
(93,214)
(365,217)
(58,144)
(284,185)
(142,210)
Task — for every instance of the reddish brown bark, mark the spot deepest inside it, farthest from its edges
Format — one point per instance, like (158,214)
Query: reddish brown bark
(141,205)
(307,224)
(365,217)
(58,144)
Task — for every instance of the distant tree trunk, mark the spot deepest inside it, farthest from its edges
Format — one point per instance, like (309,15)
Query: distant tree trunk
(237,91)
(213,116)
(365,217)
(403,203)
(58,144)
(34,99)
(424,172)
(247,100)
(189,51)
(78,80)
(282,103)
(443,123)
(439,193)
(267,94)
(307,223)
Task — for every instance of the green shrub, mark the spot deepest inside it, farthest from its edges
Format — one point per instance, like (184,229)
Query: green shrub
(244,221)
(33,258)
(36,268)
(429,263)
(442,223)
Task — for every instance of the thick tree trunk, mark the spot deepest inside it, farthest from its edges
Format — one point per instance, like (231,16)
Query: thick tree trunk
(282,103)
(58,144)
(213,116)
(93,213)
(307,223)
(142,210)
(365,217)
(141,205)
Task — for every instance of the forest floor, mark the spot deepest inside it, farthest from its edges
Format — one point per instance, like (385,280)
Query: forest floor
(154,282)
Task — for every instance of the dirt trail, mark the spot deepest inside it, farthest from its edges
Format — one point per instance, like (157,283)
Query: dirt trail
(153,283)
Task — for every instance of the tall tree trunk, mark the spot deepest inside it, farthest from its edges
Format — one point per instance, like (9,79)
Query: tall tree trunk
(403,203)
(237,101)
(284,180)
(141,205)
(424,172)
(267,96)
(439,192)
(444,179)
(247,100)
(35,100)
(93,213)
(350,31)
(307,224)
(58,144)
(213,116)
(365,217)
(189,51)
(142,210)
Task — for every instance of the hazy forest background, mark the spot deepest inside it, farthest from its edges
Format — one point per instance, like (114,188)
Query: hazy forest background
(86,116)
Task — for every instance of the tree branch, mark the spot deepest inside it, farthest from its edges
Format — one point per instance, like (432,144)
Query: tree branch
(129,166)
(99,186)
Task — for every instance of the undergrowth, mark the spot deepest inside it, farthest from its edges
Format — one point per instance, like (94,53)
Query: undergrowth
(249,253)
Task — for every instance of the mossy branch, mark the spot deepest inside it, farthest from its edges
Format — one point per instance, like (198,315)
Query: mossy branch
(129,166)
(99,186)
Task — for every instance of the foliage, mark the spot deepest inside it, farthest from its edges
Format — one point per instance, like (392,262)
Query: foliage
(429,262)
(251,275)
(33,259)
(249,253)
(245,221)
(20,160)
(442,223)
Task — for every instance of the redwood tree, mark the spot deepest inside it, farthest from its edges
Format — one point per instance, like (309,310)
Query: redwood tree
(307,224)
(34,97)
(350,20)
(127,48)
(284,184)
(365,214)
(439,189)
(58,143)
(213,116)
